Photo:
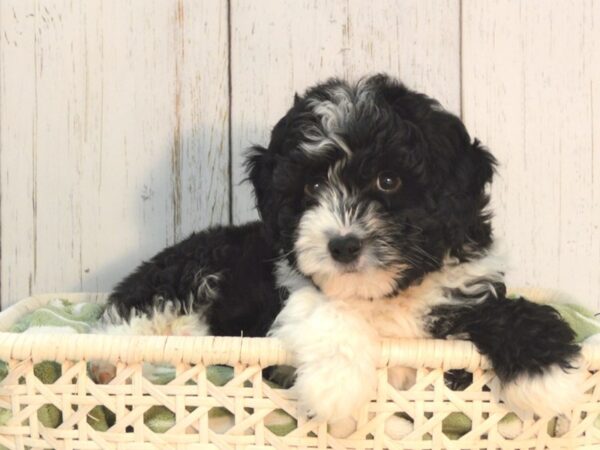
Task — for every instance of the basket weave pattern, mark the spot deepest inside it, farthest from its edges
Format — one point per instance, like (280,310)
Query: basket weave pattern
(129,395)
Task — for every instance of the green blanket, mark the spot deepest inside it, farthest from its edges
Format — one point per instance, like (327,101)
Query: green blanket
(60,316)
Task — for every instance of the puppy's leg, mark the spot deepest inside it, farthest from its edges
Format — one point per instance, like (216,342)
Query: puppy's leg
(334,350)
(165,322)
(529,345)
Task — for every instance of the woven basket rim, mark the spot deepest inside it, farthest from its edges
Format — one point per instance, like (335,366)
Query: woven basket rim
(207,350)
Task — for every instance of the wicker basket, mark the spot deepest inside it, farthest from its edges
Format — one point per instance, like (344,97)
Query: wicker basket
(250,399)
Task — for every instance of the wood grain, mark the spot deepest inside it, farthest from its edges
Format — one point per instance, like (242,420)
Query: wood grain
(114,136)
(18,147)
(279,48)
(530,88)
(115,119)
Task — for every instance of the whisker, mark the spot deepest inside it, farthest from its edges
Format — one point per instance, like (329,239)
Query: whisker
(424,253)
(412,225)
(280,257)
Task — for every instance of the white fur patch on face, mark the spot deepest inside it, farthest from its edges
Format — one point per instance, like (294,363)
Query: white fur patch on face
(289,278)
(403,315)
(338,214)
(367,284)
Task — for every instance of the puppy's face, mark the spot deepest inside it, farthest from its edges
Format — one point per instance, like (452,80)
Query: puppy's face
(366,188)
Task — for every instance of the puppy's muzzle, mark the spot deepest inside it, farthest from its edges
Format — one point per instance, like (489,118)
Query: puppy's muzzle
(345,249)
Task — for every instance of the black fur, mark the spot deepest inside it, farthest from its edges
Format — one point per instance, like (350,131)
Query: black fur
(439,211)
(518,336)
(441,206)
(246,301)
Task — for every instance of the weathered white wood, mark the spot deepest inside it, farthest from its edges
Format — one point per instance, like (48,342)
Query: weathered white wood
(279,48)
(114,136)
(114,119)
(531,88)
(17,149)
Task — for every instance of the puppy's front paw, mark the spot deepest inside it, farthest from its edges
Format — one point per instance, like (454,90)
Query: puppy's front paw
(327,393)
(555,392)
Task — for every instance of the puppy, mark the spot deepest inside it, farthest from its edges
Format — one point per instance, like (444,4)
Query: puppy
(374,225)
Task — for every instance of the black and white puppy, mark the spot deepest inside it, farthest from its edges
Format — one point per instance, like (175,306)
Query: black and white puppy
(374,225)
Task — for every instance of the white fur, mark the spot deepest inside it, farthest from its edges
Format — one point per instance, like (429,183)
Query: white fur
(334,115)
(563,425)
(206,286)
(165,322)
(402,378)
(372,276)
(555,392)
(342,428)
(334,350)
(510,428)
(368,284)
(344,105)
(395,427)
(334,339)
(398,427)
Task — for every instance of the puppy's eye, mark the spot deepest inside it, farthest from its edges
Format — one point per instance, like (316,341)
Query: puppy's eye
(314,187)
(388,182)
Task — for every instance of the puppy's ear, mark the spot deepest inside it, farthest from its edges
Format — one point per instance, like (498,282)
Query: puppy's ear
(474,165)
(466,161)
(465,200)
(482,166)
(452,150)
(259,167)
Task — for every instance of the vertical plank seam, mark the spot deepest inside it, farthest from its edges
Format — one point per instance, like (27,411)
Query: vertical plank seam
(346,42)
(229,116)
(177,140)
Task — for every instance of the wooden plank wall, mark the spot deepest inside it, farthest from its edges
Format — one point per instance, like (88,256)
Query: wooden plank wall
(531,91)
(114,136)
(123,124)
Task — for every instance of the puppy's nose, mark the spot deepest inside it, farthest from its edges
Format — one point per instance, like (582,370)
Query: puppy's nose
(345,249)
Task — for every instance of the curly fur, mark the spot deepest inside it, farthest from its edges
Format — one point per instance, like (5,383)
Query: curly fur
(426,265)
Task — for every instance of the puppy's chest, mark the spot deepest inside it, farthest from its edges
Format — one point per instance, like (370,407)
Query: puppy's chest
(400,317)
